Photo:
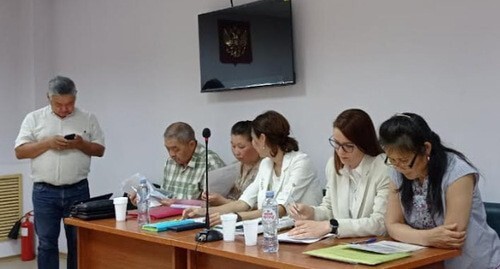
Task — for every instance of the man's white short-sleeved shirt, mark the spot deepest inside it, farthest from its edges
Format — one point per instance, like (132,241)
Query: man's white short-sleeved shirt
(66,166)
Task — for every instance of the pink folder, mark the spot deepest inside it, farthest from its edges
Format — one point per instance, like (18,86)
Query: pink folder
(160,212)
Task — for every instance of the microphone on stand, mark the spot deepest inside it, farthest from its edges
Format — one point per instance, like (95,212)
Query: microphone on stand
(207,235)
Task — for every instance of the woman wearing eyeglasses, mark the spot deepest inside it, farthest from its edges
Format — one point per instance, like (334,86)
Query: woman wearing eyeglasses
(357,187)
(434,199)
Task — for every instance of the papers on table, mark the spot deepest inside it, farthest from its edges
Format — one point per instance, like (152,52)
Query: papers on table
(284,223)
(345,254)
(285,238)
(386,247)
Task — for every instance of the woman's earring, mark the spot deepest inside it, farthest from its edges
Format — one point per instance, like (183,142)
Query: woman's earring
(428,158)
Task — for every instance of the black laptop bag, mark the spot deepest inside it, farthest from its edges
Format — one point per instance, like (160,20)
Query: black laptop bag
(100,207)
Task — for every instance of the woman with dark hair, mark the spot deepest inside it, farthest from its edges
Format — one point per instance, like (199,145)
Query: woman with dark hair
(357,187)
(283,169)
(246,168)
(434,199)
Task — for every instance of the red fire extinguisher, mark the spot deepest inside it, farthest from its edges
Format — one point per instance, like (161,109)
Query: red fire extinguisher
(27,238)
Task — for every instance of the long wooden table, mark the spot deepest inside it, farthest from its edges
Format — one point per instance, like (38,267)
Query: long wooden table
(110,244)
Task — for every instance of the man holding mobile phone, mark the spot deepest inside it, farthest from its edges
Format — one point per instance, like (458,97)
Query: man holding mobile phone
(60,140)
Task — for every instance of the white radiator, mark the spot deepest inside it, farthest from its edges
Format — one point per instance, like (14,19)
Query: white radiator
(11,205)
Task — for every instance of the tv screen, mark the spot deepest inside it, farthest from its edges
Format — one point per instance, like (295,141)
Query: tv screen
(246,46)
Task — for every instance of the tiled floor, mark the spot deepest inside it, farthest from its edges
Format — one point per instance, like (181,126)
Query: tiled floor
(16,263)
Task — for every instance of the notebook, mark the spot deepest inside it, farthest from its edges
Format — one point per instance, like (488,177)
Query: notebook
(160,212)
(345,254)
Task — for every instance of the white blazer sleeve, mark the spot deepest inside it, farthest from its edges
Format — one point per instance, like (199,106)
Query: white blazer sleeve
(371,223)
(301,182)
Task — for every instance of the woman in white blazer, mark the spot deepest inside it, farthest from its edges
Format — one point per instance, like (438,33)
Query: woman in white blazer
(283,169)
(357,188)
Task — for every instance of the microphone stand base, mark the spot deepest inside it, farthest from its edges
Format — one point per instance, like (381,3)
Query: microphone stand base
(208,235)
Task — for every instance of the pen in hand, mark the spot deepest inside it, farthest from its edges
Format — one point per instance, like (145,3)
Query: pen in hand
(367,241)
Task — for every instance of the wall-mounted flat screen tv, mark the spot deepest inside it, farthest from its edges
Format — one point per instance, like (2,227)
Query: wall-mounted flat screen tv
(247,46)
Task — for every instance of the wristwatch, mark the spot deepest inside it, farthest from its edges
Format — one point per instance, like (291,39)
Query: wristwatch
(334,225)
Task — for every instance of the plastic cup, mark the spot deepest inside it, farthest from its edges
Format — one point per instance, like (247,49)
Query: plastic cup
(250,231)
(228,226)
(120,208)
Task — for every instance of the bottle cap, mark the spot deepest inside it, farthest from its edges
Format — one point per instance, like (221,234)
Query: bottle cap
(269,194)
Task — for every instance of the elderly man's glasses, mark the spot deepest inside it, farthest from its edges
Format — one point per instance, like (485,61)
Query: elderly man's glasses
(346,147)
(401,163)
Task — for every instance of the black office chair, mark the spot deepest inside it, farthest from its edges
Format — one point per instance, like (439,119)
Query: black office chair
(493,216)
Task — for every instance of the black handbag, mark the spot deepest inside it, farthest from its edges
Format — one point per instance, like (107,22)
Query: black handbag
(100,207)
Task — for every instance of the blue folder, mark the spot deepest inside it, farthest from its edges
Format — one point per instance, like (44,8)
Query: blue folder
(165,225)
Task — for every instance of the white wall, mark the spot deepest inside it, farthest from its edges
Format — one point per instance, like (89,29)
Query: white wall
(16,93)
(136,67)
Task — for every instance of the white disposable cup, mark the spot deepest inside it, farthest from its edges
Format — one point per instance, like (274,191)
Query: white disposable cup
(120,208)
(250,231)
(228,226)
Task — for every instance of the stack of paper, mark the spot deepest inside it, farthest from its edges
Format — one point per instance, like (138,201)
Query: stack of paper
(345,254)
(284,223)
(386,247)
(285,238)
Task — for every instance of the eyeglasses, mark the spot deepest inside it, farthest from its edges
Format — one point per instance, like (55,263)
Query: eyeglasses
(400,163)
(346,147)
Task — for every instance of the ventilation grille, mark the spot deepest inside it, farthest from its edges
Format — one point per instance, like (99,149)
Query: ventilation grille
(10,203)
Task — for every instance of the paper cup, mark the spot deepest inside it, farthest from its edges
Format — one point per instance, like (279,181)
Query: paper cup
(250,231)
(228,226)
(120,208)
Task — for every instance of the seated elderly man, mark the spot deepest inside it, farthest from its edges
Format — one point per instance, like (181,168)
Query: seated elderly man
(185,168)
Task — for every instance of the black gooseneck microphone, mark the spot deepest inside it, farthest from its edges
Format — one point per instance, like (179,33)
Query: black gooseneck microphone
(207,235)
(206,134)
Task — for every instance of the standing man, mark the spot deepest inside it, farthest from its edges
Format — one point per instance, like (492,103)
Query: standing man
(59,139)
(185,169)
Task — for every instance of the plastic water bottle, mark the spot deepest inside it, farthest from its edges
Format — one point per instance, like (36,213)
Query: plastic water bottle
(270,218)
(143,203)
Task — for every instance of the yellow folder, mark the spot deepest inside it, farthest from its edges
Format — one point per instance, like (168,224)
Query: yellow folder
(345,254)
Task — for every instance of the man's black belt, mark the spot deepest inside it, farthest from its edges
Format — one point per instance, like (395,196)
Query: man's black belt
(83,181)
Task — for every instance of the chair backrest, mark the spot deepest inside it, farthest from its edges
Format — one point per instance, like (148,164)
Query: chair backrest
(493,216)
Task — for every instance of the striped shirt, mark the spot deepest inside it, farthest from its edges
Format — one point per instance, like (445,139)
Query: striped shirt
(185,182)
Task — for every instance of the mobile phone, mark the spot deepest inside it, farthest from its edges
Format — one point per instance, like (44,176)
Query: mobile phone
(69,136)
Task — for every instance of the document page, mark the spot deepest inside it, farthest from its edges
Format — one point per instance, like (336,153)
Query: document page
(386,247)
(345,254)
(283,237)
(222,180)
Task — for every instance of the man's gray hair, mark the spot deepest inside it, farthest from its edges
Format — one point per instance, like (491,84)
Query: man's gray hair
(61,86)
(180,131)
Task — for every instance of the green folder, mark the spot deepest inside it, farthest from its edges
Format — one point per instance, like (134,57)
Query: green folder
(345,254)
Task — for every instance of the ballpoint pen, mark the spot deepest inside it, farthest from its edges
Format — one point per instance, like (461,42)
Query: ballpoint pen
(367,241)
